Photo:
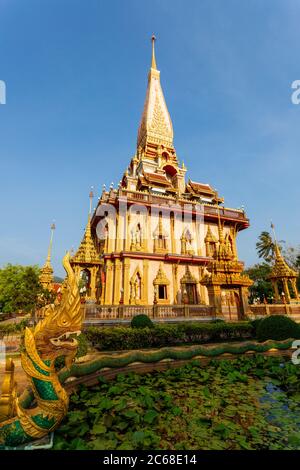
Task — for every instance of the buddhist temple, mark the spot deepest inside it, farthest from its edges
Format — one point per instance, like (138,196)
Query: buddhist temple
(159,243)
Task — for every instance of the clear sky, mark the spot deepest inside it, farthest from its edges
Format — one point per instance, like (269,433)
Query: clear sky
(76,75)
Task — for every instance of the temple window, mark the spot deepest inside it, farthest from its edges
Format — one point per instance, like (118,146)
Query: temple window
(161,283)
(160,237)
(85,283)
(212,249)
(186,243)
(162,292)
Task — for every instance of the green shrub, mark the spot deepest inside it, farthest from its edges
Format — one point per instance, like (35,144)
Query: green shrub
(122,338)
(277,327)
(141,321)
(83,345)
(255,324)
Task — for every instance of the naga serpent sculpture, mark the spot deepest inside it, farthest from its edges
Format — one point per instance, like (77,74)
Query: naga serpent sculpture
(41,409)
(52,337)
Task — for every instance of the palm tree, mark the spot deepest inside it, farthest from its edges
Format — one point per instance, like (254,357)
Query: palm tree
(265,246)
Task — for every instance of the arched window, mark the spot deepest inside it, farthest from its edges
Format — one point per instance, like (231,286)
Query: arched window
(136,290)
(186,242)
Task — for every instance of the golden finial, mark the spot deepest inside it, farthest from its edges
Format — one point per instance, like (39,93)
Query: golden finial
(52,228)
(153,62)
(91,195)
(273,230)
(277,249)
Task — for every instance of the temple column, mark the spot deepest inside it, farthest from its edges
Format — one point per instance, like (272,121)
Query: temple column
(198,293)
(198,240)
(294,286)
(233,238)
(145,231)
(120,232)
(244,301)
(128,234)
(173,242)
(109,283)
(276,291)
(175,282)
(103,284)
(126,268)
(111,237)
(202,287)
(286,291)
(145,293)
(214,294)
(77,270)
(93,272)
(117,281)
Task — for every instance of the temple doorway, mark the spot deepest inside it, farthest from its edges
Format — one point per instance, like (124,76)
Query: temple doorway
(231,307)
(191,293)
(85,283)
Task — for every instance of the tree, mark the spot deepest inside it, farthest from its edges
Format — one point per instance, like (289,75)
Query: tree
(265,246)
(291,255)
(262,286)
(20,288)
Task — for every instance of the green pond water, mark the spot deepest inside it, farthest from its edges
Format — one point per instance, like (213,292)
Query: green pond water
(252,402)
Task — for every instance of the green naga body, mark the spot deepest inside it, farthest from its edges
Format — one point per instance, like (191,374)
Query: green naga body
(53,336)
(26,426)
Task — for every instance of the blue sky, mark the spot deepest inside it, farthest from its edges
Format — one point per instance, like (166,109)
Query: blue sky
(76,74)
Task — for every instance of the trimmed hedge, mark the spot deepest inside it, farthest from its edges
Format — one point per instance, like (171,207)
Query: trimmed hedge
(255,324)
(141,321)
(120,338)
(277,327)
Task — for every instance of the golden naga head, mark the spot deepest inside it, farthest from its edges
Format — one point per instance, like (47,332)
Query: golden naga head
(55,335)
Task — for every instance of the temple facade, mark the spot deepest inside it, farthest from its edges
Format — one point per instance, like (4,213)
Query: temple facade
(160,240)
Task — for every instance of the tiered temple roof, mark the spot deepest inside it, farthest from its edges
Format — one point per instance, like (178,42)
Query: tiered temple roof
(156,125)
(86,252)
(281,269)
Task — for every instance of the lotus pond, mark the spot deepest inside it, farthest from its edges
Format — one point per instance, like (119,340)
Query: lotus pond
(252,402)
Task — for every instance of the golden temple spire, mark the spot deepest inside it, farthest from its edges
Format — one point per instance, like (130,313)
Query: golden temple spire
(46,272)
(153,62)
(48,261)
(87,251)
(277,251)
(282,271)
(156,125)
